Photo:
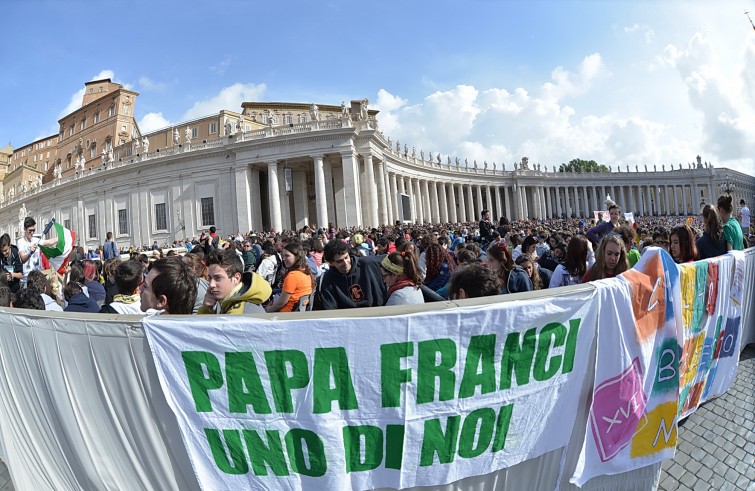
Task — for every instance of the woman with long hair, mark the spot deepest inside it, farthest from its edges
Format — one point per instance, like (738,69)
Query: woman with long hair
(440,266)
(529,265)
(732,230)
(92,282)
(611,259)
(401,275)
(199,268)
(512,278)
(298,282)
(579,258)
(712,243)
(682,247)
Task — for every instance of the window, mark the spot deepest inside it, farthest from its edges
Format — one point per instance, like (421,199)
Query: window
(122,222)
(92,152)
(194,132)
(47,165)
(213,127)
(83,124)
(96,118)
(128,152)
(302,118)
(67,224)
(124,128)
(126,110)
(208,212)
(111,112)
(92,226)
(161,219)
(287,119)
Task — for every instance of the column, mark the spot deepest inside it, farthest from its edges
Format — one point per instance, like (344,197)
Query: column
(507,202)
(558,201)
(462,205)
(394,200)
(585,206)
(442,200)
(421,216)
(285,200)
(480,206)
(453,216)
(489,201)
(593,201)
(320,195)
(649,200)
(470,201)
(426,202)
(521,201)
(548,203)
(243,199)
(667,199)
(498,205)
(568,201)
(684,199)
(371,217)
(301,206)
(330,195)
(256,204)
(352,208)
(273,196)
(384,209)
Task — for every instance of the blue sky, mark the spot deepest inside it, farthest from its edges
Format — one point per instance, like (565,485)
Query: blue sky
(621,82)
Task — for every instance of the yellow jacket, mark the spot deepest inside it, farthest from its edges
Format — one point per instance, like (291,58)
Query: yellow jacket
(248,300)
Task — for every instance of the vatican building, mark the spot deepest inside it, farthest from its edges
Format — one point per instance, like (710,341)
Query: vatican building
(282,166)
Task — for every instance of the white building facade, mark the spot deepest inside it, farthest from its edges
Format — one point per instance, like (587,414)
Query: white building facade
(337,170)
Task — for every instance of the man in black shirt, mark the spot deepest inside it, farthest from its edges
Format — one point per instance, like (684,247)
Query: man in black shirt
(11,262)
(351,281)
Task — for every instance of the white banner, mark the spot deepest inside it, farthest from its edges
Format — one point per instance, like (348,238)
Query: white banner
(402,401)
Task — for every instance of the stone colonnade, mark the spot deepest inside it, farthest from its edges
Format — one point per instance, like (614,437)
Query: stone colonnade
(353,189)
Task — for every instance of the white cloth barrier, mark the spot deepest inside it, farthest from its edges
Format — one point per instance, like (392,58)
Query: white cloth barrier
(82,408)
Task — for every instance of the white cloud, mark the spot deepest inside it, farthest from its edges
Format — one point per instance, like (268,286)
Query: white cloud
(78,96)
(229,98)
(148,84)
(504,124)
(153,121)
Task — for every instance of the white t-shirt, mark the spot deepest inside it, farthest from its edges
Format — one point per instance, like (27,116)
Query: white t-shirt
(33,262)
(745,218)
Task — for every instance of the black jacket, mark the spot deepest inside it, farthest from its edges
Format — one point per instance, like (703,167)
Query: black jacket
(362,287)
(13,263)
(706,247)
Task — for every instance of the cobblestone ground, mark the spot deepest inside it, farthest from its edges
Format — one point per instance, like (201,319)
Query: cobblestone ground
(716,444)
(716,447)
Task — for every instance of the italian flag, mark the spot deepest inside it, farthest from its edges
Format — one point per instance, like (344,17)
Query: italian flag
(58,255)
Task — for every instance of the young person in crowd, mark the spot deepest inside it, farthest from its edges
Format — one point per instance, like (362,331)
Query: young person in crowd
(512,278)
(195,263)
(628,235)
(230,290)
(170,287)
(351,281)
(529,265)
(473,281)
(579,258)
(597,232)
(440,266)
(683,248)
(400,274)
(77,300)
(298,282)
(11,261)
(39,282)
(91,280)
(28,298)
(28,248)
(712,242)
(611,259)
(744,213)
(129,276)
(732,229)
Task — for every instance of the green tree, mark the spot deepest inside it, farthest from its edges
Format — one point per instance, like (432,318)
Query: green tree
(579,165)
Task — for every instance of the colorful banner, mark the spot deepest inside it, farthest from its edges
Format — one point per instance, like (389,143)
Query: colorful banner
(668,338)
(401,401)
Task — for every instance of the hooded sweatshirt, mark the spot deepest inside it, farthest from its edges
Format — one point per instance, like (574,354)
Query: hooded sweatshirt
(246,299)
(362,286)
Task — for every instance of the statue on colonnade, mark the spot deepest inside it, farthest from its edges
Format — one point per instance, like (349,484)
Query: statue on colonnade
(363,109)
(187,135)
(228,127)
(525,163)
(239,125)
(145,144)
(314,112)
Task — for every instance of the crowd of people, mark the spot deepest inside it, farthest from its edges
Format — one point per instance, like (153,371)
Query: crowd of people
(328,269)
